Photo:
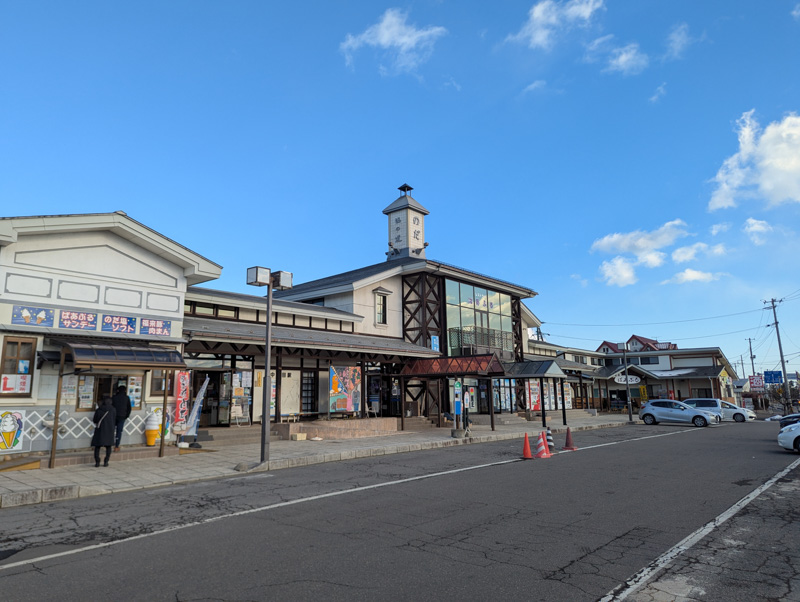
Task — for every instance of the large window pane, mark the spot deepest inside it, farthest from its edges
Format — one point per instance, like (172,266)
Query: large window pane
(467,296)
(467,317)
(451,291)
(495,322)
(505,304)
(453,317)
(506,323)
(481,299)
(494,302)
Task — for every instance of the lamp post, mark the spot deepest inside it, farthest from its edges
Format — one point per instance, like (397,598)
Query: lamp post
(258,276)
(627,380)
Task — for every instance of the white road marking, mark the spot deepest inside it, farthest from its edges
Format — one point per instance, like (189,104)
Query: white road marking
(642,577)
(206,521)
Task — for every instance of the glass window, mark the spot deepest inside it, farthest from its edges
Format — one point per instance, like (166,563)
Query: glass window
(18,358)
(495,322)
(226,312)
(203,310)
(451,292)
(481,299)
(505,304)
(506,323)
(467,317)
(494,302)
(157,378)
(380,309)
(453,317)
(467,296)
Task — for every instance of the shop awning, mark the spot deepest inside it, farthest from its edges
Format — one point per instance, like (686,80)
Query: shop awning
(95,355)
(533,369)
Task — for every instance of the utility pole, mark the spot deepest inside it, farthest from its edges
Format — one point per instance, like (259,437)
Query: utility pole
(786,394)
(753,366)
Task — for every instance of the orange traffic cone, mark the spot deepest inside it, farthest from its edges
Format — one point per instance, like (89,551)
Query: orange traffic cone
(542,451)
(569,445)
(526,449)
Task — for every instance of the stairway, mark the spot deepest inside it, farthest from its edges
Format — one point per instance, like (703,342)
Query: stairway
(234,435)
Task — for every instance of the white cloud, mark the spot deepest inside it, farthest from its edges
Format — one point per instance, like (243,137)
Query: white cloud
(537,85)
(690,275)
(407,45)
(660,91)
(628,60)
(547,18)
(581,280)
(756,229)
(651,259)
(452,83)
(642,243)
(717,250)
(767,164)
(677,41)
(684,254)
(719,228)
(618,272)
(796,12)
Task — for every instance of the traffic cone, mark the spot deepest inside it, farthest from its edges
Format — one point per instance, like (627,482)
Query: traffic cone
(550,443)
(569,445)
(526,449)
(541,450)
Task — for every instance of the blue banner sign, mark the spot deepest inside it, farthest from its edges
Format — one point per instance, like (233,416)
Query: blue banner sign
(773,377)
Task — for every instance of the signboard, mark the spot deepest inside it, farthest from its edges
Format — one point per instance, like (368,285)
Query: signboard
(757,383)
(118,324)
(643,393)
(534,399)
(631,380)
(156,327)
(33,316)
(12,433)
(77,320)
(773,377)
(15,383)
(435,343)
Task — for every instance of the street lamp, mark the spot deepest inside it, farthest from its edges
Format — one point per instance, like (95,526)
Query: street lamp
(627,380)
(258,276)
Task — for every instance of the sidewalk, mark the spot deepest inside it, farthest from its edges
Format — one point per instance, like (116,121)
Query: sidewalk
(23,487)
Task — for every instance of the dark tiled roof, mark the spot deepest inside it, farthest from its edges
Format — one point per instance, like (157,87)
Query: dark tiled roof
(277,303)
(304,337)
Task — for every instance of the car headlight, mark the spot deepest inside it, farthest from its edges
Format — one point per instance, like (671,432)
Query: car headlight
(791,427)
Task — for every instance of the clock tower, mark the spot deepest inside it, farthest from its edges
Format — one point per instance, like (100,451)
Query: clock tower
(406,227)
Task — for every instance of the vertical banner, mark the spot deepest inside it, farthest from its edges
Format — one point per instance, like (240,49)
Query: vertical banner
(181,399)
(567,395)
(194,415)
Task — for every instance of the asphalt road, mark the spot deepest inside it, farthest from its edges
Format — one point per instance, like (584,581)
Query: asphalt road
(469,522)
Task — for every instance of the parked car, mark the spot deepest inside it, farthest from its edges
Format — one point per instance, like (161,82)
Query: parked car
(668,410)
(789,437)
(788,419)
(709,404)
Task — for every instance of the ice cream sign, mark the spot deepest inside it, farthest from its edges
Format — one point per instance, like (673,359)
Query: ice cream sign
(32,316)
(11,432)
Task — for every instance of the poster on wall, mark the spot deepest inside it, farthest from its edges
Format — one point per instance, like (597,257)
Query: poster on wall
(15,383)
(568,396)
(135,391)
(345,392)
(33,316)
(558,395)
(69,387)
(182,397)
(12,431)
(85,392)
(534,398)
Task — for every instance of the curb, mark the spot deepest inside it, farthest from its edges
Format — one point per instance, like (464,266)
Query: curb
(29,497)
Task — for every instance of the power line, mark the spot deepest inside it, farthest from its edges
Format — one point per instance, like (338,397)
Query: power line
(761,309)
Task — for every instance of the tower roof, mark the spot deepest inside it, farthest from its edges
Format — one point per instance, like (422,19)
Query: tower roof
(405,201)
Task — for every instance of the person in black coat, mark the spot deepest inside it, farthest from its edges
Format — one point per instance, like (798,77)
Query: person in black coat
(105,421)
(122,404)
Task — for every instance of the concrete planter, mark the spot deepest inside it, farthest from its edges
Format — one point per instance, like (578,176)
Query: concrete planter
(457,433)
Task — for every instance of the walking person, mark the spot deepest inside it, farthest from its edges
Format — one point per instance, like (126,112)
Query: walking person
(105,418)
(122,404)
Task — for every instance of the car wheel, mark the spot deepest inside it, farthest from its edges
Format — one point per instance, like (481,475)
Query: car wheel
(797,445)
(649,419)
(738,417)
(699,421)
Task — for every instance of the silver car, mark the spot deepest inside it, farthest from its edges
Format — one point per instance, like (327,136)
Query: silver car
(668,410)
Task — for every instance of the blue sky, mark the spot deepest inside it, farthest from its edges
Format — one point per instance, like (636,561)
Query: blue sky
(636,163)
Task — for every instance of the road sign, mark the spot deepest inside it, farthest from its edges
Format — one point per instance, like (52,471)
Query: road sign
(773,377)
(757,383)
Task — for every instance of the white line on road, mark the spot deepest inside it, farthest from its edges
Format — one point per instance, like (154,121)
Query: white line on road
(294,502)
(642,577)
